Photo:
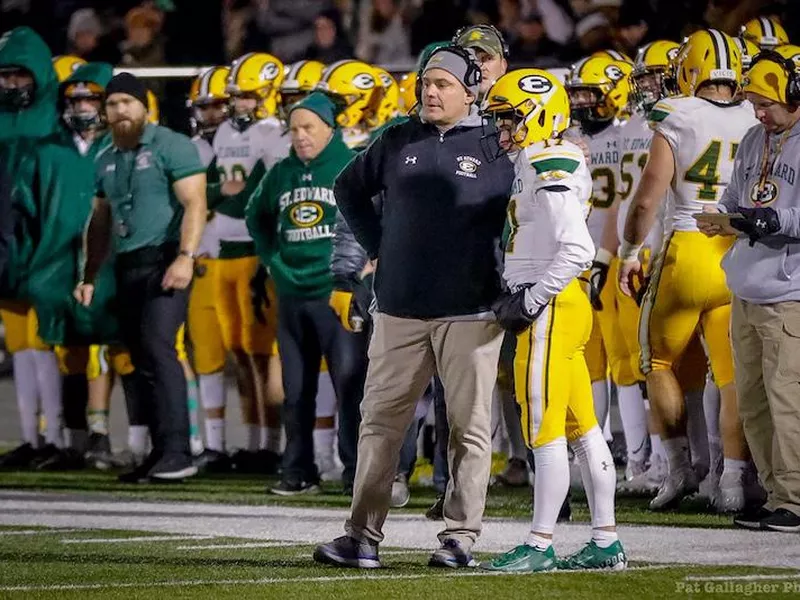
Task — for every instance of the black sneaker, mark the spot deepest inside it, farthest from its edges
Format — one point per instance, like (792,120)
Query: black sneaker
(172,467)
(295,488)
(45,454)
(213,461)
(436,512)
(752,518)
(20,457)
(348,552)
(66,459)
(99,454)
(782,520)
(452,555)
(140,474)
(244,461)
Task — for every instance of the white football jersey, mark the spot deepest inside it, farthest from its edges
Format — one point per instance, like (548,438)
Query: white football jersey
(636,139)
(209,243)
(237,153)
(704,137)
(605,150)
(548,242)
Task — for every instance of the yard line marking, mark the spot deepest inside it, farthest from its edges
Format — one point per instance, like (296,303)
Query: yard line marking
(774,577)
(282,580)
(149,538)
(252,545)
(38,531)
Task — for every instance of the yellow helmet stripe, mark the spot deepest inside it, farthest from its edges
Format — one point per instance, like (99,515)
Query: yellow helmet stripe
(720,49)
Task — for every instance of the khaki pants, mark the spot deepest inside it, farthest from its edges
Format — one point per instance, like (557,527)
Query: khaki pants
(766,350)
(403,356)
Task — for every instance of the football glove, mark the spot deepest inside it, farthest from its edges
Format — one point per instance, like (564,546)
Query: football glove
(341,301)
(757,222)
(258,293)
(511,313)
(598,275)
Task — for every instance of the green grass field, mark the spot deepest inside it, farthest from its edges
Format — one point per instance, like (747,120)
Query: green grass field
(37,563)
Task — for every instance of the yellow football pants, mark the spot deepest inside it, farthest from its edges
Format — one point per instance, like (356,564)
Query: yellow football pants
(22,327)
(688,295)
(551,378)
(204,324)
(238,324)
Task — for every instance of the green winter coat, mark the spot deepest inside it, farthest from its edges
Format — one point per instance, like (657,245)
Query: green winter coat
(23,47)
(291,216)
(60,182)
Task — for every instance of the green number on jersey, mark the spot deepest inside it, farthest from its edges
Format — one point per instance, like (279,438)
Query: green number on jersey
(704,172)
(609,189)
(512,225)
(237,173)
(627,178)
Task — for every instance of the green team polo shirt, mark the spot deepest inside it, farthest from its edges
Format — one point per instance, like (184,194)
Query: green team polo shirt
(138,186)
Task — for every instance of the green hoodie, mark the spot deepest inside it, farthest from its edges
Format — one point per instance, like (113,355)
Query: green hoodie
(291,216)
(24,48)
(60,182)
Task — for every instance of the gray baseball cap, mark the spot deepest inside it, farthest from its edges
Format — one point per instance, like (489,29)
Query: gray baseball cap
(457,65)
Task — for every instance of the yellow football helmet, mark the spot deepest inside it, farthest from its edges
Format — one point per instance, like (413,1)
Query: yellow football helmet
(652,78)
(299,80)
(607,81)
(153,113)
(708,56)
(773,75)
(791,52)
(534,101)
(258,74)
(614,55)
(355,87)
(207,89)
(748,50)
(65,65)
(408,91)
(765,32)
(390,103)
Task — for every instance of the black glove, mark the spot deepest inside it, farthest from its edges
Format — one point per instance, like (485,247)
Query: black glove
(642,291)
(757,223)
(597,281)
(511,312)
(258,293)
(362,295)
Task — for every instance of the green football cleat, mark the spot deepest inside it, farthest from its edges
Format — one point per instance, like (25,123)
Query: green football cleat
(523,559)
(592,556)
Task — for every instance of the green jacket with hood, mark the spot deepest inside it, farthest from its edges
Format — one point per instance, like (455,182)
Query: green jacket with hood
(291,217)
(60,181)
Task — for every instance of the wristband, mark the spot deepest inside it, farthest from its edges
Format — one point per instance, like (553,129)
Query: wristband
(603,256)
(187,253)
(628,251)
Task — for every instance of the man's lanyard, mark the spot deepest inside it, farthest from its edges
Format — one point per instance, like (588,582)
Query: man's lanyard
(768,162)
(126,206)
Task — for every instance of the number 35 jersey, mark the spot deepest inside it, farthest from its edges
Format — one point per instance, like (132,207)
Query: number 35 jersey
(704,137)
(605,154)
(237,154)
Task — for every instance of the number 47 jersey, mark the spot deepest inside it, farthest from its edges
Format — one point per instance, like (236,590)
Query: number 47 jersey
(704,137)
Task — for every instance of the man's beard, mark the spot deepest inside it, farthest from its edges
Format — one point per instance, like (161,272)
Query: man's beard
(127,137)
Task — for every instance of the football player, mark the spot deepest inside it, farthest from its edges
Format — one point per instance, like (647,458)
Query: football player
(299,80)
(691,156)
(765,32)
(548,247)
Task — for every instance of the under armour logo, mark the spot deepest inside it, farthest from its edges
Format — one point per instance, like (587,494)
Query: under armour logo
(605,465)
(306,177)
(411,160)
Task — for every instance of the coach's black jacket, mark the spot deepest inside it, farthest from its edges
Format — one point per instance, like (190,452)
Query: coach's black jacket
(437,239)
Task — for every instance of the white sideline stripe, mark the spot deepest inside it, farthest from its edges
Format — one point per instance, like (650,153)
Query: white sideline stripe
(148,538)
(775,577)
(38,531)
(253,545)
(282,580)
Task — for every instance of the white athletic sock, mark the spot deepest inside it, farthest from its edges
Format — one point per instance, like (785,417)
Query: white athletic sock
(657,446)
(324,441)
(677,450)
(538,542)
(212,390)
(27,396)
(601,400)
(697,432)
(732,465)
(252,438)
(634,421)
(551,484)
(137,440)
(711,406)
(48,378)
(215,434)
(603,538)
(271,439)
(607,435)
(599,476)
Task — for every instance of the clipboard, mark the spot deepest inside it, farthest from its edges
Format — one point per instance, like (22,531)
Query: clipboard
(717,218)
